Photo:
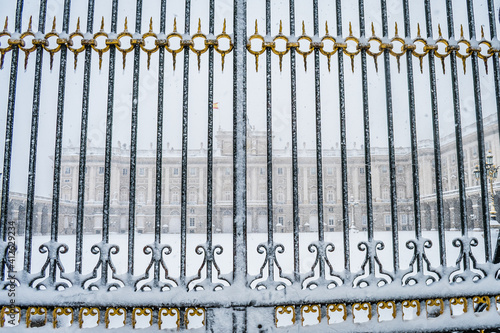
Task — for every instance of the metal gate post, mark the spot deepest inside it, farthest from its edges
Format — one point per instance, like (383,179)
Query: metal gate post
(239,159)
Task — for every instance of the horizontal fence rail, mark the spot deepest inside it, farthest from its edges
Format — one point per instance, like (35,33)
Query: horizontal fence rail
(254,230)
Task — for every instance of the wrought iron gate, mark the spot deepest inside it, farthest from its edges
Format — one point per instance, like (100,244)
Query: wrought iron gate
(422,291)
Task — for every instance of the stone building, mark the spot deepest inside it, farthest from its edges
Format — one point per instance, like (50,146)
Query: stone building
(196,193)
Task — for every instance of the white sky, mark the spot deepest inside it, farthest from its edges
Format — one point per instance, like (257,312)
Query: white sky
(223,82)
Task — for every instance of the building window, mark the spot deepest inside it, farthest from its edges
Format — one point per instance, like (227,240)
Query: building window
(401,192)
(361,171)
(192,171)
(404,219)
(280,171)
(329,171)
(142,172)
(364,220)
(331,221)
(191,211)
(401,169)
(384,169)
(67,170)
(281,196)
(387,219)
(329,196)
(101,170)
(280,221)
(86,170)
(175,171)
(313,198)
(385,193)
(192,196)
(192,222)
(312,171)
(227,171)
(227,195)
(124,172)
(175,197)
(67,180)
(262,171)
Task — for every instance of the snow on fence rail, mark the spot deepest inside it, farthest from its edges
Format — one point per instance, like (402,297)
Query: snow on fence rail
(378,238)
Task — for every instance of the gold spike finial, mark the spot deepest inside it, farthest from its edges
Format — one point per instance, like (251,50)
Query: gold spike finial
(54,24)
(199,25)
(439,30)
(6,23)
(350,28)
(78,24)
(125,25)
(281,27)
(151,24)
(482,31)
(396,28)
(461,31)
(418,30)
(303,28)
(224,27)
(326,27)
(102,24)
(175,24)
(256,27)
(373,30)
(30,23)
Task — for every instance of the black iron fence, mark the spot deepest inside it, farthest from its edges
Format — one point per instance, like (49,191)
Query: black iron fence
(362,199)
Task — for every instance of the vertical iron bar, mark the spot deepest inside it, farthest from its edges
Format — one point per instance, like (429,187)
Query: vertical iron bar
(457,117)
(343,146)
(390,135)
(239,158)
(480,134)
(437,144)
(133,142)
(185,100)
(269,130)
(9,127)
(159,138)
(413,133)
(496,66)
(295,163)
(80,212)
(56,185)
(496,72)
(109,136)
(366,126)
(210,146)
(30,202)
(319,157)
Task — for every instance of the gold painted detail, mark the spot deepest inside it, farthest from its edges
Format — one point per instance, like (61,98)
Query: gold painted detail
(434,302)
(142,312)
(115,312)
(35,311)
(407,304)
(192,312)
(59,311)
(341,307)
(8,311)
(84,312)
(150,42)
(362,307)
(458,301)
(391,305)
(482,300)
(310,308)
(174,312)
(284,309)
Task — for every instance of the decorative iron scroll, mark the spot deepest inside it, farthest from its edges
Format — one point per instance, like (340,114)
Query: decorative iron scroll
(304,45)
